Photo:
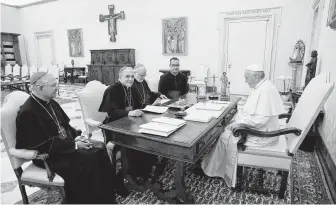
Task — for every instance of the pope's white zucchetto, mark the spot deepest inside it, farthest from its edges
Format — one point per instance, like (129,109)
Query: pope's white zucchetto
(254,67)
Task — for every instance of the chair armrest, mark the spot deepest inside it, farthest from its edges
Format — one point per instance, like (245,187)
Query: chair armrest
(50,173)
(285,115)
(241,131)
(23,153)
(244,131)
(92,123)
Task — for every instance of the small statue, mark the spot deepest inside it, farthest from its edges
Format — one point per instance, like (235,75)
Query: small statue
(225,95)
(298,53)
(311,67)
(72,63)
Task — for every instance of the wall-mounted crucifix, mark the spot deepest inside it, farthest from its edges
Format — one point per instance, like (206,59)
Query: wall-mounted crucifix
(112,21)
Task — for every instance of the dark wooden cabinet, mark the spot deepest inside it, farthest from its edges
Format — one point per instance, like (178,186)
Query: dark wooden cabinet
(105,64)
(10,52)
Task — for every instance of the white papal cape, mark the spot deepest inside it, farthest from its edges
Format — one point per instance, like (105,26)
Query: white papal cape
(261,110)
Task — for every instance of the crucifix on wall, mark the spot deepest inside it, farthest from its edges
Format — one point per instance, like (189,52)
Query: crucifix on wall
(112,21)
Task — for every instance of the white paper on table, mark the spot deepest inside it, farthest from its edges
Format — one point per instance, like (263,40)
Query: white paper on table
(155,109)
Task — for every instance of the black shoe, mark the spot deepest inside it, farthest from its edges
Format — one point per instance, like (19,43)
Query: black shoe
(199,171)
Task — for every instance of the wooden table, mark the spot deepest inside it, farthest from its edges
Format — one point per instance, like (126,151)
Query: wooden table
(186,145)
(17,85)
(71,71)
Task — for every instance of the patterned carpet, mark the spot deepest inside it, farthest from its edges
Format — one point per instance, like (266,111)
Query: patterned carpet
(309,187)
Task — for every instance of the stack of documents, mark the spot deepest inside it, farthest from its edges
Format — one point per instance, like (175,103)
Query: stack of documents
(204,112)
(162,126)
(155,109)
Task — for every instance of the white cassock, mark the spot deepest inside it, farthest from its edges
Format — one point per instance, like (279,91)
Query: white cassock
(261,110)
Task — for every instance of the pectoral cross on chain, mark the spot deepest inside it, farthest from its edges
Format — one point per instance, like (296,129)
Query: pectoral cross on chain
(112,21)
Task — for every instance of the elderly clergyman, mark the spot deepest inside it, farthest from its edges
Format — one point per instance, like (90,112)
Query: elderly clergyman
(121,100)
(84,165)
(147,97)
(260,111)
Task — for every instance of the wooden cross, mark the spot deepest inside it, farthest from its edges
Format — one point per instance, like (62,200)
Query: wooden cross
(112,21)
(214,78)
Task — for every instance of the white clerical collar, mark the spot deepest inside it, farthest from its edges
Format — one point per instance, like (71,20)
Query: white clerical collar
(263,80)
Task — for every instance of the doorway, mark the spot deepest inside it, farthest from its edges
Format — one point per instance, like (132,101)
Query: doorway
(247,37)
(45,49)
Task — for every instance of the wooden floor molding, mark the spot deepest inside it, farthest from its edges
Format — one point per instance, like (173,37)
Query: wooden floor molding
(328,166)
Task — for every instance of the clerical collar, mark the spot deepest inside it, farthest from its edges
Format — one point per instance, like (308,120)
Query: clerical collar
(40,100)
(173,74)
(263,80)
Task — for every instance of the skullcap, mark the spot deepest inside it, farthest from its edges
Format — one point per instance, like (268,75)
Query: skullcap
(254,67)
(37,76)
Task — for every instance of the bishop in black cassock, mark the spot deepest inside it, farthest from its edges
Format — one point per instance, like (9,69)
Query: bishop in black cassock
(119,99)
(42,125)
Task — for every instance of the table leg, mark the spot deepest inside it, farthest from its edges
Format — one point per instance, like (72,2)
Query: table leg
(65,76)
(131,184)
(179,194)
(72,77)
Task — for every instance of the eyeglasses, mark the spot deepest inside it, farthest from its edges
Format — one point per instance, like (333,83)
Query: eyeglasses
(175,65)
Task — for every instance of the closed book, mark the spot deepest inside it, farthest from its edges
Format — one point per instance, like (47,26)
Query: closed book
(199,116)
(210,106)
(159,127)
(155,132)
(170,121)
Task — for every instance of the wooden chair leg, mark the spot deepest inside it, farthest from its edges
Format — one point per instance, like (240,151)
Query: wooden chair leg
(283,184)
(23,194)
(62,190)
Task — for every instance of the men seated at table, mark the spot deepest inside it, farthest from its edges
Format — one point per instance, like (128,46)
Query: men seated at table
(146,95)
(84,165)
(120,100)
(174,84)
(261,111)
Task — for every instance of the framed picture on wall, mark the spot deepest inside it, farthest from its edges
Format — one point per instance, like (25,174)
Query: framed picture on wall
(174,36)
(332,14)
(75,38)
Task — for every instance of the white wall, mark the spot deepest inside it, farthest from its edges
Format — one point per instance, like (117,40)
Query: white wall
(10,19)
(142,28)
(327,58)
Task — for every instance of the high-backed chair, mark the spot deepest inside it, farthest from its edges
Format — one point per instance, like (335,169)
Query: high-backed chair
(90,99)
(8,73)
(16,71)
(24,72)
(153,81)
(280,155)
(31,175)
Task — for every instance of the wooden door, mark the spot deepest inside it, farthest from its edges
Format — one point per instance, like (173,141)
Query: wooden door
(247,41)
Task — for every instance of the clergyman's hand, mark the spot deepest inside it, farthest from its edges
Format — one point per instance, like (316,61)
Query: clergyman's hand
(135,113)
(42,156)
(163,97)
(84,144)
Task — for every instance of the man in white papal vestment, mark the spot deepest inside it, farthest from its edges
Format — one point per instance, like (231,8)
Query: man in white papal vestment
(261,111)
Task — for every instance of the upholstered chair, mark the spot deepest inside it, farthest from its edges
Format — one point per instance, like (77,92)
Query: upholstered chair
(31,175)
(153,81)
(280,155)
(90,99)
(16,71)
(24,72)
